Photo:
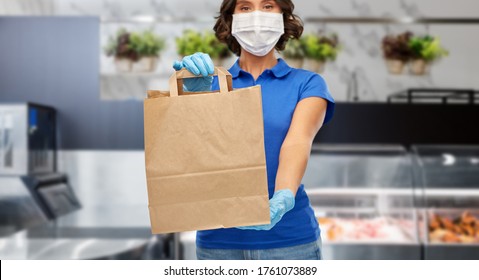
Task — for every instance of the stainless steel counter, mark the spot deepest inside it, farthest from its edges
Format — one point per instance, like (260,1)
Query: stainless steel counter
(22,246)
(112,223)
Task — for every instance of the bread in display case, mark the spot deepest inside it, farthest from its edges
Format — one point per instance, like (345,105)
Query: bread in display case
(447,179)
(453,226)
(363,198)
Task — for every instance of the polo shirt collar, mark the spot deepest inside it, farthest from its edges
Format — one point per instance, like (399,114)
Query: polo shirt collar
(281,69)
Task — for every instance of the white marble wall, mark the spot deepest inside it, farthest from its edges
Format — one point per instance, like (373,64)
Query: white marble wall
(361,42)
(203,8)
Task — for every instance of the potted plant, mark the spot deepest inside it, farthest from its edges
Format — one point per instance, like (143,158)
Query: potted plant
(217,50)
(396,51)
(319,49)
(119,47)
(189,43)
(294,53)
(148,46)
(425,50)
(194,41)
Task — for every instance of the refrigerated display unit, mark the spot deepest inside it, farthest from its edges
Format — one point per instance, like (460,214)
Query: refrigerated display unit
(363,198)
(448,206)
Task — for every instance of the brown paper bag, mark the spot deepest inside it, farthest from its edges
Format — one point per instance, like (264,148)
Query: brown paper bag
(204,155)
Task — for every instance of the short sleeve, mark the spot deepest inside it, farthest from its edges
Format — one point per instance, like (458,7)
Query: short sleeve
(315,86)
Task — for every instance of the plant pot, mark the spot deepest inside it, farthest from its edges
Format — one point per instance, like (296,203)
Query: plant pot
(146,64)
(123,64)
(418,67)
(295,62)
(315,65)
(395,66)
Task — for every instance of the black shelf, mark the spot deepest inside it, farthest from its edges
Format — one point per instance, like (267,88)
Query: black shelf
(435,95)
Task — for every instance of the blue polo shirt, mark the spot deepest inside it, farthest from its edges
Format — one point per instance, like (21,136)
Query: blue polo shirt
(282,87)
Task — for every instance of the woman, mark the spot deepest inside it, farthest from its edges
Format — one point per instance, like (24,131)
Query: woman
(295,105)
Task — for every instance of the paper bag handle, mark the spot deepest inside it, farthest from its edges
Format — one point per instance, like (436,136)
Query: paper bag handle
(225,80)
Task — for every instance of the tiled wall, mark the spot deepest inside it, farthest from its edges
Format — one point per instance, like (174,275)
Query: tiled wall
(361,42)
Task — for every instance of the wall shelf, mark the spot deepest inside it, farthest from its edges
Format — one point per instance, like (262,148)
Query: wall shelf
(344,20)
(388,20)
(153,20)
(158,75)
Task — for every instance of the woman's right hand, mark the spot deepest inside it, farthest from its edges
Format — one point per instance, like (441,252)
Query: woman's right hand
(198,64)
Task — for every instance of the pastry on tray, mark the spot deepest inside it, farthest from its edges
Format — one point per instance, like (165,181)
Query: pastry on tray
(463,229)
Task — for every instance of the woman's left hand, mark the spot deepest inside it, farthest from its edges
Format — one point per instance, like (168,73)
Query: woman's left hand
(201,65)
(281,202)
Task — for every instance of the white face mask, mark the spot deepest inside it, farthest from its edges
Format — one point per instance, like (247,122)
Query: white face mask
(258,32)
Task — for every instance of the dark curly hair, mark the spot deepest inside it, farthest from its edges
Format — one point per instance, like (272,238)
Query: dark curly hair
(293,26)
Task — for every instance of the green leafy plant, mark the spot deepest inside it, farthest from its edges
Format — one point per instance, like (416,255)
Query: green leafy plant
(294,49)
(193,41)
(189,43)
(119,46)
(427,48)
(215,48)
(146,43)
(133,45)
(320,47)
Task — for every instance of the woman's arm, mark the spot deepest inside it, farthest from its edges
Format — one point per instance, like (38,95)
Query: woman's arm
(307,119)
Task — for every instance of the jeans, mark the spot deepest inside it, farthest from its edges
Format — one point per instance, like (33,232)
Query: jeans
(308,251)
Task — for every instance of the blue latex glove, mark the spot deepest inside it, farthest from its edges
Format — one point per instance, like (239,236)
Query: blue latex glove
(281,202)
(198,64)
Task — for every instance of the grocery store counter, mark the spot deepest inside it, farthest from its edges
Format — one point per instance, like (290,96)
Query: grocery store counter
(363,197)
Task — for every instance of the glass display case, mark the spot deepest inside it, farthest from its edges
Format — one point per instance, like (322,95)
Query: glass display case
(448,208)
(363,198)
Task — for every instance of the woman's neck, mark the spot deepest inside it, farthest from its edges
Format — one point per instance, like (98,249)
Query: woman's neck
(255,65)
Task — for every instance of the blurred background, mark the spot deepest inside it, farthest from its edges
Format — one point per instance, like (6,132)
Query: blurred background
(394,175)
